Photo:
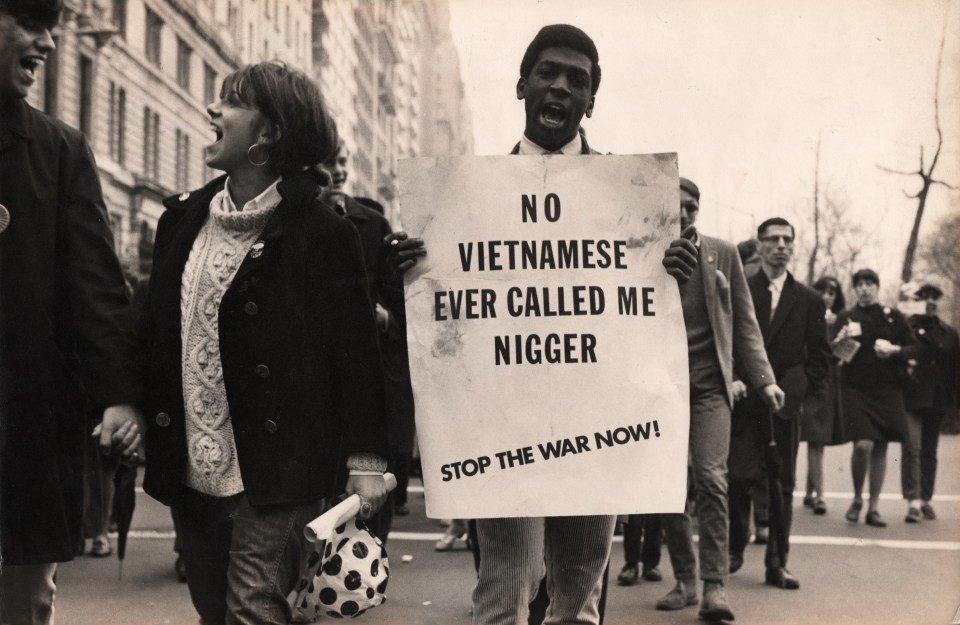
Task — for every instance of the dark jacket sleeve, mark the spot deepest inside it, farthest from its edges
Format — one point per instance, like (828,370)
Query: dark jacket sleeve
(97,291)
(818,355)
(359,388)
(909,346)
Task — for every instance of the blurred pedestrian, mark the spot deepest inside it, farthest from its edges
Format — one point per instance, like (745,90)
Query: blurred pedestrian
(265,383)
(66,347)
(871,388)
(642,542)
(386,295)
(721,328)
(822,420)
(792,322)
(930,392)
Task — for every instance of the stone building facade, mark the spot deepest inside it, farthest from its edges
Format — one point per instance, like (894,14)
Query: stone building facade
(136,75)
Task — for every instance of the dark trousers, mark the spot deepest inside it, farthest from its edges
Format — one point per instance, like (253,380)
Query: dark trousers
(642,539)
(786,433)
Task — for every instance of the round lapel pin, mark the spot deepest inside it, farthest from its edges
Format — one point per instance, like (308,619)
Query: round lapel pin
(4,218)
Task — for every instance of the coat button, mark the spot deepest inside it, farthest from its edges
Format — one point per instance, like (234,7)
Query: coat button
(270,426)
(256,249)
(163,419)
(262,370)
(250,308)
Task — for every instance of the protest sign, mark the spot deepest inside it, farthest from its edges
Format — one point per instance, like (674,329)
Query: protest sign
(547,348)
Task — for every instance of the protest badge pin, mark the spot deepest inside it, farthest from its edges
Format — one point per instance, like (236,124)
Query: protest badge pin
(4,218)
(256,250)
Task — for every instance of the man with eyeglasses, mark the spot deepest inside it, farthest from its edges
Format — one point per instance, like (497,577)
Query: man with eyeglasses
(791,318)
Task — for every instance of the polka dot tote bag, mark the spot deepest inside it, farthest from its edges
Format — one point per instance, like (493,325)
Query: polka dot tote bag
(346,575)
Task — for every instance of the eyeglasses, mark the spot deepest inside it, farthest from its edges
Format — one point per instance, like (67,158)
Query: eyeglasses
(776,238)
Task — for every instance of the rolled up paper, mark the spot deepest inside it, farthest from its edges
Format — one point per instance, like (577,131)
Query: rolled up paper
(322,527)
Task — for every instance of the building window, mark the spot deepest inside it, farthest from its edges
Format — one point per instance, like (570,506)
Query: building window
(184,52)
(120,17)
(86,95)
(183,160)
(152,40)
(122,126)
(209,84)
(51,72)
(151,144)
(118,123)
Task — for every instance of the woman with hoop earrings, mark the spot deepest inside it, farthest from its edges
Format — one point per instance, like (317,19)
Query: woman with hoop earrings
(265,389)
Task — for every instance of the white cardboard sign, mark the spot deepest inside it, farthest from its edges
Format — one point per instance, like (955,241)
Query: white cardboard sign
(547,348)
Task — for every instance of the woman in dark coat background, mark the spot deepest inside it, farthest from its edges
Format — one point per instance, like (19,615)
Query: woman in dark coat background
(265,384)
(872,396)
(821,419)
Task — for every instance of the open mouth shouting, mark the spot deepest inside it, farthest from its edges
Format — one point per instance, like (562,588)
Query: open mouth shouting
(553,115)
(31,63)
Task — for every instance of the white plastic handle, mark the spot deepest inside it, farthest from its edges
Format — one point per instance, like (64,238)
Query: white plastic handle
(322,526)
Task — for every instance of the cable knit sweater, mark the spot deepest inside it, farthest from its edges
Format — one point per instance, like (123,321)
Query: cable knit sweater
(217,252)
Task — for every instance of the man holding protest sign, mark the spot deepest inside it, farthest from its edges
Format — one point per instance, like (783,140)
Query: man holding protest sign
(559,77)
(721,327)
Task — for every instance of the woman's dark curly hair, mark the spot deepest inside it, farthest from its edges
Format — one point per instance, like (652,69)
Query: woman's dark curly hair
(291,100)
(821,285)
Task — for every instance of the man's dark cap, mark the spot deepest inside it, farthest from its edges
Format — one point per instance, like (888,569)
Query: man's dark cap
(929,290)
(44,12)
(563,36)
(688,186)
(868,275)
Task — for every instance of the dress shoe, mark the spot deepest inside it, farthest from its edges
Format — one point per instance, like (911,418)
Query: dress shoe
(853,512)
(447,542)
(628,575)
(820,506)
(762,537)
(874,519)
(927,511)
(714,606)
(913,515)
(401,510)
(100,548)
(683,594)
(652,574)
(808,501)
(736,561)
(781,578)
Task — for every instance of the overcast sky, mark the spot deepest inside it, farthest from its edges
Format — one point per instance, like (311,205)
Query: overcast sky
(741,89)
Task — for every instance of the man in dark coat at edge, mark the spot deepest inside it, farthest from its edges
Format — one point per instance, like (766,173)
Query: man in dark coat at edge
(791,318)
(386,294)
(929,394)
(559,78)
(66,345)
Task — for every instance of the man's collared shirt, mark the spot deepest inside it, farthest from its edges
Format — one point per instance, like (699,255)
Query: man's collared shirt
(529,148)
(776,290)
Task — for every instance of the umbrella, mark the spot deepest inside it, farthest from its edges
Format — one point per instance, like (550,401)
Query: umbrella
(125,500)
(777,527)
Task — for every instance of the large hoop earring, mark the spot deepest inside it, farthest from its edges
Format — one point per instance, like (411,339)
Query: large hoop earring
(253,162)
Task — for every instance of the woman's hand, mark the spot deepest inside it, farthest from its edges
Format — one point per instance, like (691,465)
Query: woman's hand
(372,491)
(885,349)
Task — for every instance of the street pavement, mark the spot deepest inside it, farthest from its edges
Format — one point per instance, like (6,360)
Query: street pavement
(850,574)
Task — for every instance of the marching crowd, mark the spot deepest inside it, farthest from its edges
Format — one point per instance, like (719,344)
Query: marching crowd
(263,370)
